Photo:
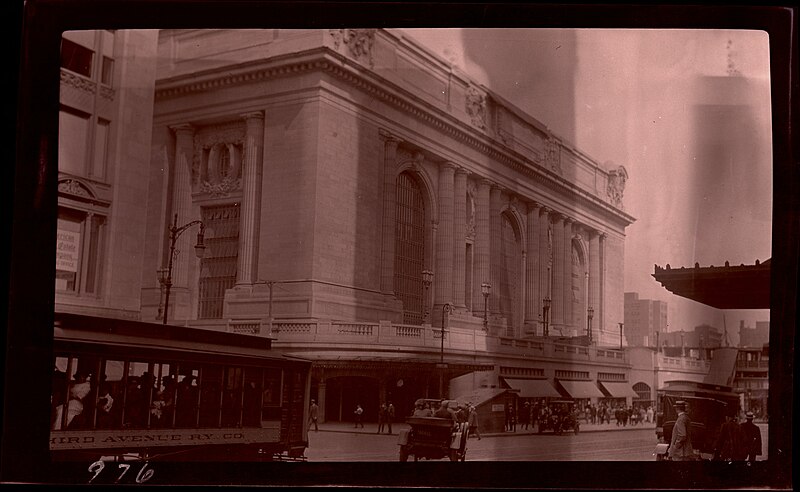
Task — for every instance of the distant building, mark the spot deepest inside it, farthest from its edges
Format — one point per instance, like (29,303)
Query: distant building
(645,320)
(754,337)
(752,378)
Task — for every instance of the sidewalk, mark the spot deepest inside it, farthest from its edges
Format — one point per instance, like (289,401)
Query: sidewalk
(372,428)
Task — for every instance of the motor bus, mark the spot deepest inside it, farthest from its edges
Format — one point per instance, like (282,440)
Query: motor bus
(708,404)
(129,390)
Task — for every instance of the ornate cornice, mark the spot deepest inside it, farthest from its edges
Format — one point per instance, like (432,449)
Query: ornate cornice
(545,173)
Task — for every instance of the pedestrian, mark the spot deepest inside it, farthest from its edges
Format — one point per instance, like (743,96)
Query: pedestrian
(511,418)
(729,443)
(381,417)
(680,446)
(420,410)
(389,417)
(313,413)
(359,412)
(524,415)
(593,413)
(650,414)
(751,437)
(473,422)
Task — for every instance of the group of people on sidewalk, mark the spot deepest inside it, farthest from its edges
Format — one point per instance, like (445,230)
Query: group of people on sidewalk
(736,442)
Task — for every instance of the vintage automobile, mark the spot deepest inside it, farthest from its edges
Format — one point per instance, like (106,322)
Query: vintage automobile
(707,407)
(433,438)
(564,418)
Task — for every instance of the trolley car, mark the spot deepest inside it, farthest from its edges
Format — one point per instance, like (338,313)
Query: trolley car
(126,390)
(708,406)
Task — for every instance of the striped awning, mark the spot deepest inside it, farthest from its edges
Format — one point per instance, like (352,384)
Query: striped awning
(581,389)
(533,388)
(619,390)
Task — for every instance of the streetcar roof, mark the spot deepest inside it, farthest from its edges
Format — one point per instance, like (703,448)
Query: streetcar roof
(117,332)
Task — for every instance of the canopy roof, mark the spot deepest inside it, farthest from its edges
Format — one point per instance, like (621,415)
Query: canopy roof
(581,389)
(726,287)
(619,390)
(533,388)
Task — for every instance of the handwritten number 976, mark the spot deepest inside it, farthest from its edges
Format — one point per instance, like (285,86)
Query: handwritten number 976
(143,476)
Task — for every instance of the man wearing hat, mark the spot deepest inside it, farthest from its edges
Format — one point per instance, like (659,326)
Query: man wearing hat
(313,416)
(680,448)
(752,437)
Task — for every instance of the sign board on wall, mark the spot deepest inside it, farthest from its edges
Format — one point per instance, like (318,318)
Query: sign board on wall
(67,250)
(498,407)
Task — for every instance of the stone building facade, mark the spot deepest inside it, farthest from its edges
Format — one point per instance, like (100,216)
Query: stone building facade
(336,172)
(106,95)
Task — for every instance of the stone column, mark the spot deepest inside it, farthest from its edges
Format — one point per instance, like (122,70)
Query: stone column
(182,205)
(495,246)
(443,276)
(594,279)
(390,143)
(533,295)
(459,238)
(601,279)
(557,309)
(481,253)
(544,257)
(569,322)
(251,198)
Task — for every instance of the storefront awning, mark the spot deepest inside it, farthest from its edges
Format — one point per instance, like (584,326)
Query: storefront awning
(581,389)
(619,390)
(533,388)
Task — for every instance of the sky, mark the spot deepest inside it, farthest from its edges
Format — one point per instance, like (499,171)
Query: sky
(686,112)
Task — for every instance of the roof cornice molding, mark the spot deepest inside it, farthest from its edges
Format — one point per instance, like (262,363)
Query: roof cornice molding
(328,61)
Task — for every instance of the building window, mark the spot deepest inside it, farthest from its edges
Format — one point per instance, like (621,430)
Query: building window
(409,259)
(79,243)
(76,58)
(107,71)
(510,303)
(643,390)
(218,266)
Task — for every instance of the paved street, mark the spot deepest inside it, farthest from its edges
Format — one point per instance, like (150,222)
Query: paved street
(606,442)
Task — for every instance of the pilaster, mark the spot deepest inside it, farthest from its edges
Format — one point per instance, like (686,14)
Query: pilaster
(251,198)
(459,238)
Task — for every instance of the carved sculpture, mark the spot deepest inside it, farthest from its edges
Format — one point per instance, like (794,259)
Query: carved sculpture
(616,185)
(358,41)
(476,107)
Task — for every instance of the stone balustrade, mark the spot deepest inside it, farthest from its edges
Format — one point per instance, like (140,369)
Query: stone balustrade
(385,333)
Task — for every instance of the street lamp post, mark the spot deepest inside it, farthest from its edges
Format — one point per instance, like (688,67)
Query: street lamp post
(620,335)
(427,280)
(546,310)
(447,308)
(486,289)
(165,275)
(589,316)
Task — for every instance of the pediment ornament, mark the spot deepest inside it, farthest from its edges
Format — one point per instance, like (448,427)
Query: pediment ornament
(73,187)
(476,107)
(358,41)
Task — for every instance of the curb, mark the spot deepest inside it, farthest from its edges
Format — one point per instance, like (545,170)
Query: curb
(498,434)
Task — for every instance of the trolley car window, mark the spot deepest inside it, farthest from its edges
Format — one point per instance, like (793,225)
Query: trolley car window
(210,396)
(73,396)
(271,396)
(232,397)
(251,398)
(186,396)
(110,395)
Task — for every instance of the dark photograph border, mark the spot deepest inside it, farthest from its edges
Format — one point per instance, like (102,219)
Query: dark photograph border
(30,205)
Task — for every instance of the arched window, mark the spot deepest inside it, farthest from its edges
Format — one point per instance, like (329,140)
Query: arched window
(409,252)
(510,301)
(576,311)
(643,390)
